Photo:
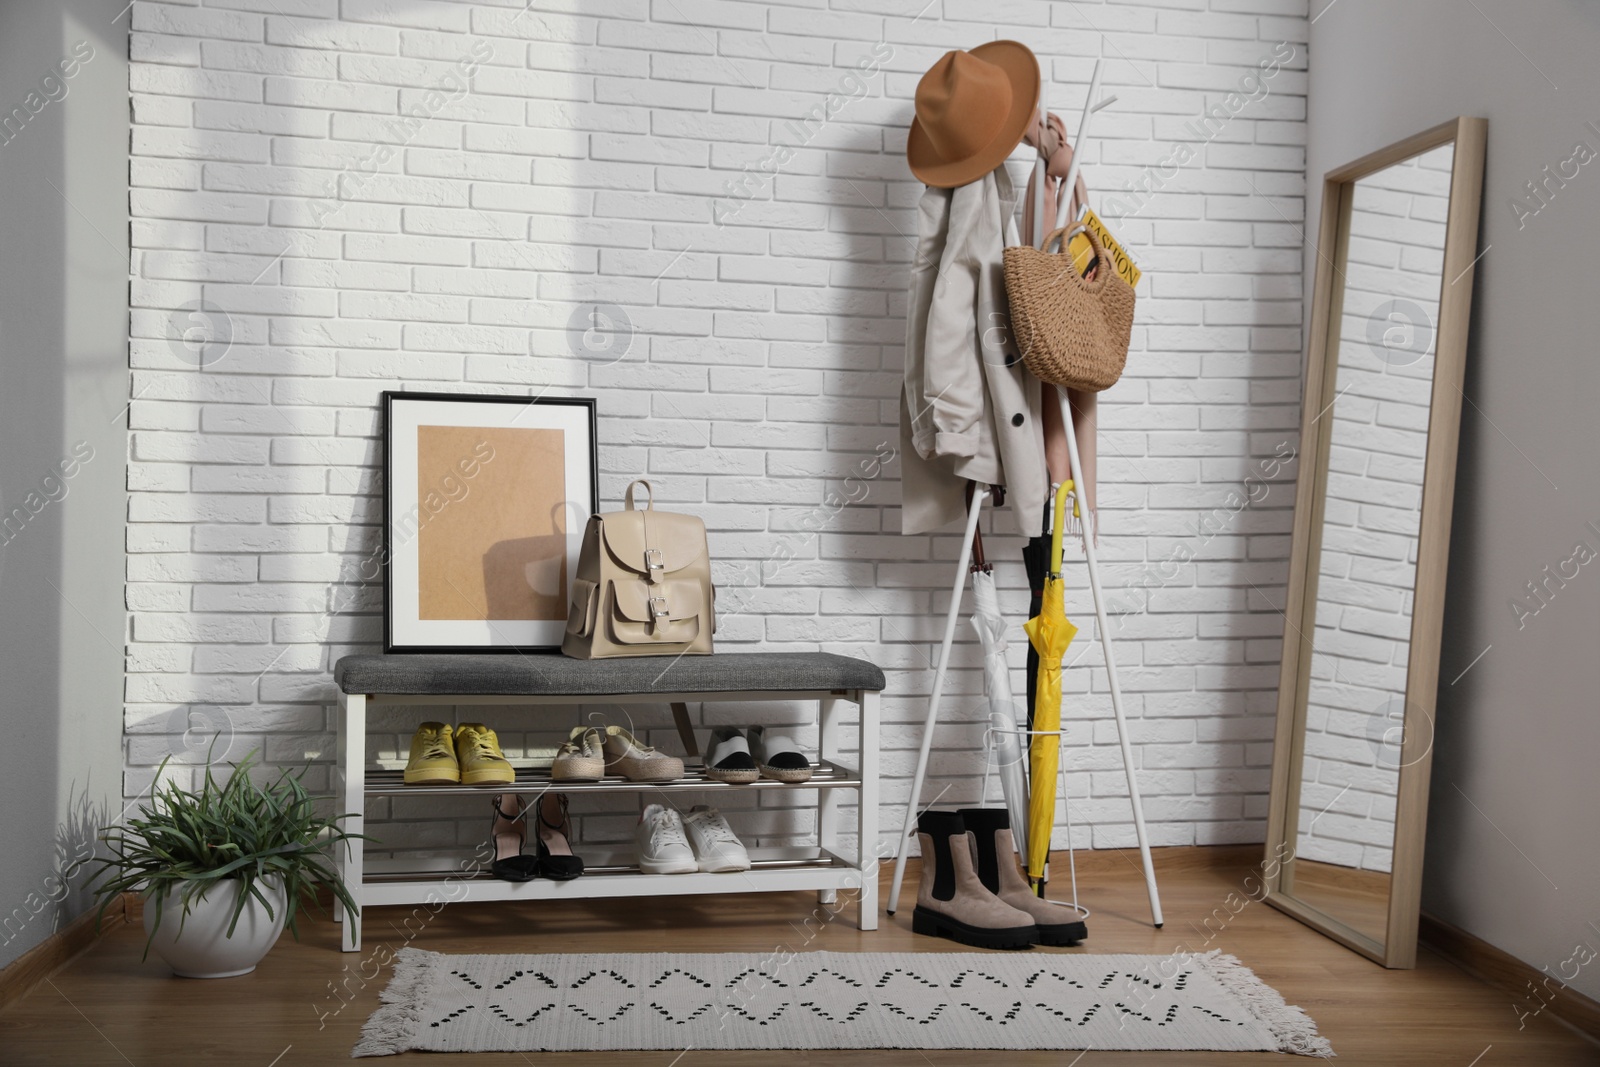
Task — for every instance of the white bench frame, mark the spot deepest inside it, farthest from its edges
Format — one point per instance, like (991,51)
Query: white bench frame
(825,868)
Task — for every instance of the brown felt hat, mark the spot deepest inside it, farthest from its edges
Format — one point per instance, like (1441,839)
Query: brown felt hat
(972,110)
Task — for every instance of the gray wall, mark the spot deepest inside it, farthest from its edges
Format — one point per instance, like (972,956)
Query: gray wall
(1513,838)
(63,384)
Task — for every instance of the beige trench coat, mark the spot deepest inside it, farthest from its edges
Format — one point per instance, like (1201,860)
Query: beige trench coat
(969,410)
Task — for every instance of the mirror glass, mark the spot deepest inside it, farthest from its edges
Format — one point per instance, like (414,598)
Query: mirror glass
(1389,288)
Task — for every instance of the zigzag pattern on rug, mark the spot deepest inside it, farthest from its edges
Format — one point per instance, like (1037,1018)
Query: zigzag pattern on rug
(827,1000)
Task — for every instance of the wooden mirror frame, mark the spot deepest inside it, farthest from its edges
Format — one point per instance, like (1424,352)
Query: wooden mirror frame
(1399,946)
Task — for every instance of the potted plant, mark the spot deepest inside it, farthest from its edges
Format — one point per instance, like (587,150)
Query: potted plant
(232,860)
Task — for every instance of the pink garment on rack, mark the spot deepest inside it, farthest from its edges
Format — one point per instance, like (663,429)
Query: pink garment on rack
(1085,414)
(1049,137)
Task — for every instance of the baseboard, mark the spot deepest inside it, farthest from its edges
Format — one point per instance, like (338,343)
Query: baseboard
(1167,858)
(1504,971)
(1124,860)
(25,972)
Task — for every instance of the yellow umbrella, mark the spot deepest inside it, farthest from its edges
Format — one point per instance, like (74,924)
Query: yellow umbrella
(1050,633)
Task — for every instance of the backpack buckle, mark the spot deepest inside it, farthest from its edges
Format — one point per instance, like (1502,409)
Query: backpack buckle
(655,564)
(658,611)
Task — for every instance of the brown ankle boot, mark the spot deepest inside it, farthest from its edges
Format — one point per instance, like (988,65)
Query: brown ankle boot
(995,854)
(952,902)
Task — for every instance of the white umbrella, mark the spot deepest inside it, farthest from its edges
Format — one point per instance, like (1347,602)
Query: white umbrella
(1006,747)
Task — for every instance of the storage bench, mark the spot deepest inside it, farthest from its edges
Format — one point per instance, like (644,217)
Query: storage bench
(538,680)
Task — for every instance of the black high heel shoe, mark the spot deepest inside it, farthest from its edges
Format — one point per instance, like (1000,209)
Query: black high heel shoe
(554,841)
(509,833)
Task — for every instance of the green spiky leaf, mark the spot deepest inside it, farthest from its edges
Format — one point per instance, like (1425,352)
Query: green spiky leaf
(182,842)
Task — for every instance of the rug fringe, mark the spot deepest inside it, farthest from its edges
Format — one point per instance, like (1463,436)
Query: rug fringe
(390,1029)
(1295,1030)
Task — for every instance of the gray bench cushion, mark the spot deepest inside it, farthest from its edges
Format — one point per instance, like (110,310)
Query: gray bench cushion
(552,674)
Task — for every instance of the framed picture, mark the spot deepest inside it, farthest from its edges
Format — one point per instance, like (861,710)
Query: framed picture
(484,503)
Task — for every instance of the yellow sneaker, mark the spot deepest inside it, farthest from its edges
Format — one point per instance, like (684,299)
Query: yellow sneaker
(478,753)
(433,757)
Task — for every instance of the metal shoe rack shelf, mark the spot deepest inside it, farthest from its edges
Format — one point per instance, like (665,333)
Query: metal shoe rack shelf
(835,683)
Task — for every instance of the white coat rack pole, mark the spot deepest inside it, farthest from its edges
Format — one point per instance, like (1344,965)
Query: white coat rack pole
(1041,172)
(1090,106)
(1111,670)
(979,495)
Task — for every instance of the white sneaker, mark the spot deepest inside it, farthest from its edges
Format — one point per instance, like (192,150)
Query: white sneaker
(663,848)
(715,846)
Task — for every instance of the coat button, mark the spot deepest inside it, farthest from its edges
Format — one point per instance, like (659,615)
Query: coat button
(1017,420)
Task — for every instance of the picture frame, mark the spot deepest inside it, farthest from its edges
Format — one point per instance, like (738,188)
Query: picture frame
(485,499)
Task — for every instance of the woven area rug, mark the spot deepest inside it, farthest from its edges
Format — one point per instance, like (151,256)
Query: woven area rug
(830,1000)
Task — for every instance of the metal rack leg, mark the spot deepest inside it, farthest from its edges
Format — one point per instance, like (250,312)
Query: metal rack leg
(1111,671)
(352,769)
(957,588)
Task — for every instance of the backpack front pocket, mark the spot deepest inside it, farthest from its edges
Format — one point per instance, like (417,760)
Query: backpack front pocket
(655,614)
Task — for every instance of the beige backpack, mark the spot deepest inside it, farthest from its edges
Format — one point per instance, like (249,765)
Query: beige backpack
(643,585)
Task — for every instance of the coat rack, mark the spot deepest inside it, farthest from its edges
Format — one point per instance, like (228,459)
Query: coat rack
(962,565)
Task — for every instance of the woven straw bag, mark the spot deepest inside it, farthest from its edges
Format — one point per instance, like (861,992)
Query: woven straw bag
(1071,330)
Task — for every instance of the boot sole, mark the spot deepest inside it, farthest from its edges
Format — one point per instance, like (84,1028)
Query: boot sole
(1062,933)
(931,924)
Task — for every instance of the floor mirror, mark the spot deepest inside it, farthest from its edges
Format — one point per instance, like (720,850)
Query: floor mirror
(1395,259)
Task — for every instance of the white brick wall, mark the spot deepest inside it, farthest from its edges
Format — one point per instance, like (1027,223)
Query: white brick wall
(1369,536)
(272,178)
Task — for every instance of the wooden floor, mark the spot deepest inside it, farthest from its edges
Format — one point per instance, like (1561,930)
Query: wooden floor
(109,1008)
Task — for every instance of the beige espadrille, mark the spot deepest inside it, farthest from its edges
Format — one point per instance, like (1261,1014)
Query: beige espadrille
(638,762)
(581,757)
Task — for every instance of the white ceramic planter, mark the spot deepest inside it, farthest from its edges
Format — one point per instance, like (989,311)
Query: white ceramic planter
(198,945)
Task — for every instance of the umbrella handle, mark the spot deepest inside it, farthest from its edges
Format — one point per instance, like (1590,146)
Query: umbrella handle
(1060,503)
(978,562)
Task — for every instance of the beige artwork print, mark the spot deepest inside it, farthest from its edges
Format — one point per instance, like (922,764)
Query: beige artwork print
(494,543)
